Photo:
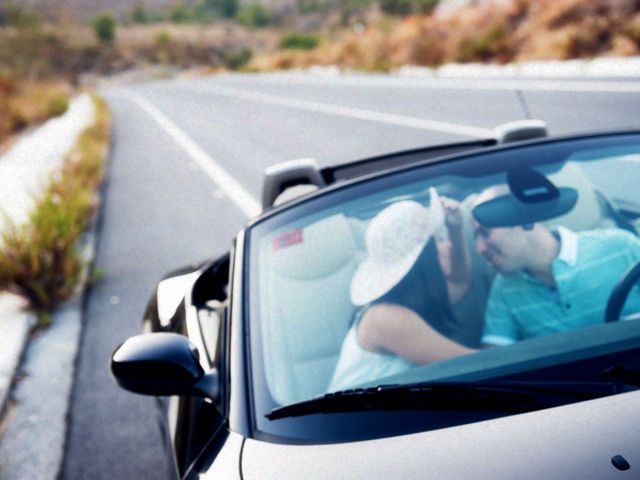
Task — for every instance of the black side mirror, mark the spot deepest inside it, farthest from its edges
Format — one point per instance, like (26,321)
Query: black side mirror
(162,364)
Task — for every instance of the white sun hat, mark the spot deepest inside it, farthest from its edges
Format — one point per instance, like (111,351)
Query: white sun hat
(394,240)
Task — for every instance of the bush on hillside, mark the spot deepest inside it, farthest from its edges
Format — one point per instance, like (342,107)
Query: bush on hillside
(14,15)
(139,13)
(254,15)
(58,105)
(298,41)
(211,9)
(236,59)
(424,6)
(104,27)
(396,7)
(179,13)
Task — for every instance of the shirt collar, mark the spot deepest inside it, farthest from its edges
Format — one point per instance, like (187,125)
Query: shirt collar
(568,246)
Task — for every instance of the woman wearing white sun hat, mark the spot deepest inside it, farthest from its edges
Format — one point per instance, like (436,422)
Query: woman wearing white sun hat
(406,288)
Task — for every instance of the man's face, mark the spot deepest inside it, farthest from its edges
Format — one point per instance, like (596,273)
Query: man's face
(504,248)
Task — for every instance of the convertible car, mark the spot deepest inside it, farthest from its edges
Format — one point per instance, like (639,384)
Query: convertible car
(266,363)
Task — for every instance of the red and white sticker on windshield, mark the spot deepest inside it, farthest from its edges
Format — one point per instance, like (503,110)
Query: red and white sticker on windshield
(287,239)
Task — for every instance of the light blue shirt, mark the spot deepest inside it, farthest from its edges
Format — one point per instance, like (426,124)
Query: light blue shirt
(587,268)
(357,366)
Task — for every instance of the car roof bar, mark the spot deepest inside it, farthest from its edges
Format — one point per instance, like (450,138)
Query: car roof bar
(520,130)
(287,180)
(293,173)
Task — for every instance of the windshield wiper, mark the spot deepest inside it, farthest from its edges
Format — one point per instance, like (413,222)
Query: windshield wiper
(504,396)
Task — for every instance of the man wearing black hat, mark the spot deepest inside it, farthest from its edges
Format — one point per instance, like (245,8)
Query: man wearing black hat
(549,281)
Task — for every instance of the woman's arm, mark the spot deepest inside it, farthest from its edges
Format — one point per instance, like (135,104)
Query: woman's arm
(460,269)
(386,328)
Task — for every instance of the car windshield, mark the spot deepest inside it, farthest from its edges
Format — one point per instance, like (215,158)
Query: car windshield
(490,266)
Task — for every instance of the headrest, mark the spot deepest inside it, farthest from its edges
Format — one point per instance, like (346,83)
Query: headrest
(313,251)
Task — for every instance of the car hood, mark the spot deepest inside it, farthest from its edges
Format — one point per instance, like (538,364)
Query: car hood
(572,441)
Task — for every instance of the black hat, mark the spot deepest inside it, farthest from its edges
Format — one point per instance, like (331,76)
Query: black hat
(533,198)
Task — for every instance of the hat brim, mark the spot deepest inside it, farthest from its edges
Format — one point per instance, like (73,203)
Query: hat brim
(508,211)
(372,280)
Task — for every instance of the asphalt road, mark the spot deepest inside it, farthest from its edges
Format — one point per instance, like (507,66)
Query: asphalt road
(163,208)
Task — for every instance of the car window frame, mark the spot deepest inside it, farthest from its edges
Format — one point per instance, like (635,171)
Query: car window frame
(321,200)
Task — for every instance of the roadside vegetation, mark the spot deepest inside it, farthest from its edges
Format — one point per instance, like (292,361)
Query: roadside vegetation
(483,32)
(40,260)
(352,34)
(26,103)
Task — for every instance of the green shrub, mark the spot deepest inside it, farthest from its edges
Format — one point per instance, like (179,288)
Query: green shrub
(139,14)
(299,41)
(179,13)
(207,10)
(396,7)
(354,10)
(204,12)
(406,7)
(424,6)
(58,105)
(236,59)
(162,48)
(311,6)
(104,27)
(163,39)
(226,8)
(254,16)
(14,15)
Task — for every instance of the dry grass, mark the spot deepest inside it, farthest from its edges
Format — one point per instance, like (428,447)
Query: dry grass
(40,259)
(25,103)
(486,32)
(497,32)
(183,45)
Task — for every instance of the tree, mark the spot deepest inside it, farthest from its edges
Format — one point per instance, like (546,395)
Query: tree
(179,13)
(254,15)
(139,13)
(425,6)
(298,41)
(396,7)
(225,8)
(104,27)
(12,14)
(406,7)
(228,8)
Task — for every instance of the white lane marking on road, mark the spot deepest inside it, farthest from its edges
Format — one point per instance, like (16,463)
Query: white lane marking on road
(225,182)
(452,83)
(349,112)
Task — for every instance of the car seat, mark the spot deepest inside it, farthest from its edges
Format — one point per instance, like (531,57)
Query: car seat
(590,211)
(305,308)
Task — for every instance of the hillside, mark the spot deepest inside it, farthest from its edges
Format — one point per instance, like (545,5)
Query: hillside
(40,61)
(487,32)
(82,10)
(377,35)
